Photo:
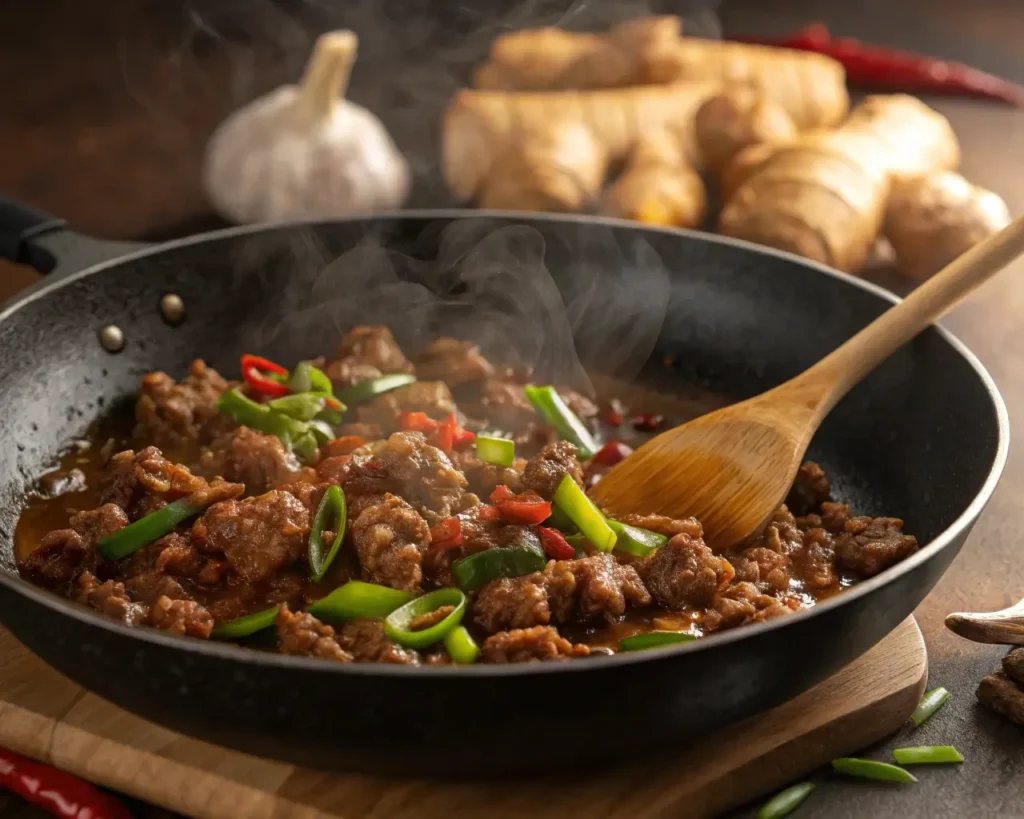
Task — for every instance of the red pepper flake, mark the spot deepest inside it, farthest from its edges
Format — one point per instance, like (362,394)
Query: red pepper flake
(646,421)
(417,422)
(446,534)
(59,793)
(611,453)
(615,413)
(555,544)
(527,508)
(254,368)
(488,514)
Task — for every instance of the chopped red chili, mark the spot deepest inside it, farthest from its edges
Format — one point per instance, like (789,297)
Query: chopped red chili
(488,514)
(446,534)
(646,421)
(56,792)
(555,545)
(528,507)
(871,66)
(615,413)
(417,422)
(611,453)
(446,435)
(254,368)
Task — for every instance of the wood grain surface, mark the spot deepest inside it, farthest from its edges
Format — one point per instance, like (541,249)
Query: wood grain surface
(46,716)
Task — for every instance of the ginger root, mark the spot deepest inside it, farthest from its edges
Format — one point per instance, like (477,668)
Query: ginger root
(810,87)
(658,186)
(735,119)
(480,127)
(824,195)
(933,218)
(743,166)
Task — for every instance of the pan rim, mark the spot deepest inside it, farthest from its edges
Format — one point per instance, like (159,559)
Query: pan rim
(257,659)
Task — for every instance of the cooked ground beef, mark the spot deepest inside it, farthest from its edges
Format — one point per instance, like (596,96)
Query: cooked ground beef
(545,470)
(665,525)
(431,618)
(810,489)
(181,617)
(742,603)
(62,553)
(768,570)
(581,406)
(302,635)
(257,536)
(869,545)
(347,372)
(484,477)
(366,641)
(807,547)
(505,405)
(684,572)
(374,345)
(109,598)
(528,645)
(389,539)
(512,603)
(454,362)
(169,412)
(255,459)
(431,397)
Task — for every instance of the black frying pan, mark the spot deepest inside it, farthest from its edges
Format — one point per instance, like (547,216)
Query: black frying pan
(924,437)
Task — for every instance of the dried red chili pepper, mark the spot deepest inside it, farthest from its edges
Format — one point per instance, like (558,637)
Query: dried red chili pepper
(555,545)
(488,514)
(611,453)
(446,435)
(527,508)
(646,421)
(615,413)
(59,793)
(417,422)
(446,534)
(253,369)
(877,67)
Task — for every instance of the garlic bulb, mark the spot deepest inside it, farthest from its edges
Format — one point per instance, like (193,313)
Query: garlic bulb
(304,151)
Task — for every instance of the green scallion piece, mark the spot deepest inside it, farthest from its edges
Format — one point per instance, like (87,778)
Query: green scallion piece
(358,599)
(655,639)
(478,569)
(560,521)
(785,802)
(397,624)
(243,410)
(244,626)
(584,514)
(146,529)
(927,755)
(636,541)
(370,389)
(302,406)
(461,647)
(305,378)
(869,769)
(333,511)
(930,703)
(552,408)
(497,451)
(321,430)
(579,542)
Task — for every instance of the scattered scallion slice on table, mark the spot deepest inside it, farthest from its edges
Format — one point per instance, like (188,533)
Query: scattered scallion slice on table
(636,541)
(870,769)
(332,510)
(146,529)
(397,625)
(552,409)
(371,389)
(461,647)
(927,755)
(497,451)
(930,703)
(785,802)
(474,571)
(655,639)
(244,626)
(358,599)
(584,514)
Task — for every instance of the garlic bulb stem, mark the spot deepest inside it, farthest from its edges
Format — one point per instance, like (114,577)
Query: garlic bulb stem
(327,74)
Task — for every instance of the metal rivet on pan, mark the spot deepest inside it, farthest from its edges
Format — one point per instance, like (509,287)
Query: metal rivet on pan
(112,338)
(172,308)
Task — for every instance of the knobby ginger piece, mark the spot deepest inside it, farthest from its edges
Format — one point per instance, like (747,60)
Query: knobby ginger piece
(933,218)
(735,119)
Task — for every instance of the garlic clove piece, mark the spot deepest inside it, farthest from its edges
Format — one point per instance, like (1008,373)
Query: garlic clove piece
(304,152)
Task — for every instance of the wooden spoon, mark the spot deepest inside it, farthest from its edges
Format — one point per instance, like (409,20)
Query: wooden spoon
(1005,626)
(733,467)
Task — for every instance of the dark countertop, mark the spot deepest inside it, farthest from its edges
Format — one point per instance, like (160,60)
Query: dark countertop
(117,100)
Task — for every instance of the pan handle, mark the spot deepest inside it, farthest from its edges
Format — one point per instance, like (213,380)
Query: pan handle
(34,237)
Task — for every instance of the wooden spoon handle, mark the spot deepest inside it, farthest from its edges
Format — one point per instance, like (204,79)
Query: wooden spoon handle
(832,377)
(1006,626)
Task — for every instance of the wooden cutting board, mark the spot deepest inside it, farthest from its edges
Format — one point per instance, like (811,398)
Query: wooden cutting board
(46,716)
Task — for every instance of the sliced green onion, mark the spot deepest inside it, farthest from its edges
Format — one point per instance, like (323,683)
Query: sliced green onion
(331,510)
(636,541)
(319,381)
(244,626)
(785,802)
(370,389)
(302,406)
(478,569)
(560,521)
(927,755)
(321,431)
(869,769)
(305,377)
(461,647)
(930,703)
(655,639)
(333,417)
(306,446)
(552,409)
(146,529)
(581,511)
(497,451)
(245,411)
(358,599)
(396,625)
